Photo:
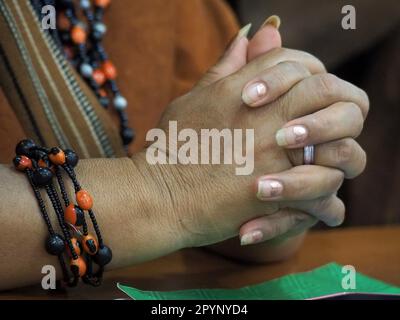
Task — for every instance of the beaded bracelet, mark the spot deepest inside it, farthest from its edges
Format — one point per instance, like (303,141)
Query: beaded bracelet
(43,168)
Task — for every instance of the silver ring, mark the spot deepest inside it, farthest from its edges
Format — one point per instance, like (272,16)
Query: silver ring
(309,154)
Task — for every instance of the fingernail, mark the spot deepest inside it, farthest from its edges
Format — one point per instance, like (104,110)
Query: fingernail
(269,189)
(241,34)
(251,237)
(291,135)
(274,21)
(254,92)
(244,31)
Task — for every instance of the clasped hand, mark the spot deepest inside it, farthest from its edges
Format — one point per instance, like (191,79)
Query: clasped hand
(290,101)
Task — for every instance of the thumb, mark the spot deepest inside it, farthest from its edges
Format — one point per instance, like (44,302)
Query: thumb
(265,39)
(234,58)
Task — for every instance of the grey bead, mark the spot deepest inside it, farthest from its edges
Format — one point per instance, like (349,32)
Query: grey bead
(86,70)
(120,102)
(100,28)
(85,4)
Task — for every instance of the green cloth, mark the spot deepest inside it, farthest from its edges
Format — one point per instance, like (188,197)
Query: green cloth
(321,281)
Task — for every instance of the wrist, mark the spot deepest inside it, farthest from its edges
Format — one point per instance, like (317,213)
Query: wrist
(161,202)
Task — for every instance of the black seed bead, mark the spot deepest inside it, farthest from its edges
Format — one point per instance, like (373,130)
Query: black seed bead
(104,101)
(114,87)
(103,256)
(42,177)
(16,161)
(97,36)
(67,3)
(80,216)
(24,147)
(55,244)
(127,135)
(71,157)
(37,154)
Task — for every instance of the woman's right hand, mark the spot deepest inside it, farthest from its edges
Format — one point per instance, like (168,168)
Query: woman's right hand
(209,203)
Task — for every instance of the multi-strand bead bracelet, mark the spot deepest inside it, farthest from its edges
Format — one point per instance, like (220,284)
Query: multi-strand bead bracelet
(44,167)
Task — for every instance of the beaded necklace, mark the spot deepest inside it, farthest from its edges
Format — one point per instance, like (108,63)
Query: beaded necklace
(80,31)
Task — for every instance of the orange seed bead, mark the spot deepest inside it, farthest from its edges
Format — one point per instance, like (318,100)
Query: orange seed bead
(57,156)
(63,22)
(102,3)
(109,70)
(103,93)
(99,77)
(42,163)
(84,200)
(78,34)
(81,264)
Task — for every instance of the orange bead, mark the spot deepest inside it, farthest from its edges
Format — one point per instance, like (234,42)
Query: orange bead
(74,215)
(99,77)
(69,52)
(22,163)
(57,156)
(84,200)
(103,93)
(102,3)
(90,244)
(78,35)
(80,264)
(76,246)
(63,22)
(109,70)
(42,163)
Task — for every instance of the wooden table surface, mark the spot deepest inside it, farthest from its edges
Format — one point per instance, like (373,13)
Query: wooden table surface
(374,251)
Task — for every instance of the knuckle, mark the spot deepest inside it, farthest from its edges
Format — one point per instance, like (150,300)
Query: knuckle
(322,204)
(294,67)
(365,99)
(363,161)
(319,122)
(280,76)
(345,152)
(360,162)
(356,115)
(282,109)
(336,180)
(316,64)
(332,210)
(339,214)
(276,54)
(327,85)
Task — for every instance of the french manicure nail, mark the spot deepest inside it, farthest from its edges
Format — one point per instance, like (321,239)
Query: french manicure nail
(291,135)
(241,34)
(254,92)
(251,237)
(269,189)
(244,31)
(274,21)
